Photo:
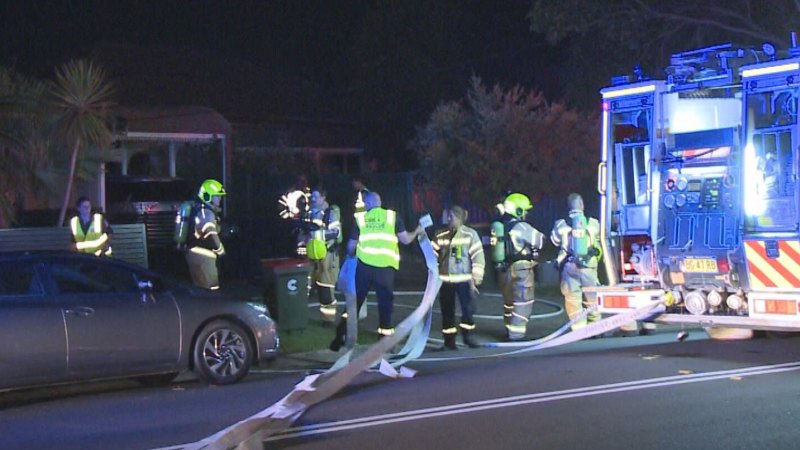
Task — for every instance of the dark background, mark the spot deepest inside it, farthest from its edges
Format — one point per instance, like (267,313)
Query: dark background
(379,65)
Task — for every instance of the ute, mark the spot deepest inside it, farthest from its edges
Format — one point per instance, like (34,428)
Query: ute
(698,190)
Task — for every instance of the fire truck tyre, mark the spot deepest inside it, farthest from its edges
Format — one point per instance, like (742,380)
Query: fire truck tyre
(223,353)
(728,334)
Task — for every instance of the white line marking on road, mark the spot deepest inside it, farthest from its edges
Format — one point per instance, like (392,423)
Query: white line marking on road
(505,402)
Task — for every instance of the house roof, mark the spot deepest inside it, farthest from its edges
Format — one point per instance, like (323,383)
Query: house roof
(140,122)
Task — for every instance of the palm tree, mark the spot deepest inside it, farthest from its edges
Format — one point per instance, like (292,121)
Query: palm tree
(82,99)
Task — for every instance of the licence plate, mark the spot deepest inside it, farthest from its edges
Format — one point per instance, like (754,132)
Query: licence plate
(700,265)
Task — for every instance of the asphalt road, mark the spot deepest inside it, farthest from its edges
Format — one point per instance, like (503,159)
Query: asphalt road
(646,392)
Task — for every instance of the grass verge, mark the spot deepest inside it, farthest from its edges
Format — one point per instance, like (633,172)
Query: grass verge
(317,336)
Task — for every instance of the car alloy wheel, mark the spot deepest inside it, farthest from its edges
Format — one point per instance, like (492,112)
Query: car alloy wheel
(222,353)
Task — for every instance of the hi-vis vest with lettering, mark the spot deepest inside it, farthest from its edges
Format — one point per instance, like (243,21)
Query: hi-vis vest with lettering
(94,240)
(377,240)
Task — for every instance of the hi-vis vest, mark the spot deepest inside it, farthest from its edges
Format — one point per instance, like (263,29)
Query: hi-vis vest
(377,240)
(94,240)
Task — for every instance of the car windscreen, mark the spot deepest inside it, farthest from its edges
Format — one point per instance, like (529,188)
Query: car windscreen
(149,191)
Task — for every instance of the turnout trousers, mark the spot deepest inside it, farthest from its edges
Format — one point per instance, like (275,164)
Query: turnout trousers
(447,299)
(516,284)
(573,278)
(203,269)
(324,274)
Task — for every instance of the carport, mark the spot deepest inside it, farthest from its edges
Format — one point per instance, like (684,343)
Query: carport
(171,125)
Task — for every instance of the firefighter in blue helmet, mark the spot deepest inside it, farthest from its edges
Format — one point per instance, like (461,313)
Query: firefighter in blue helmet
(578,242)
(515,247)
(461,266)
(204,244)
(90,231)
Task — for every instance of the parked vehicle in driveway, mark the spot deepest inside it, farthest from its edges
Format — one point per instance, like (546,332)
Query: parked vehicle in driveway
(148,200)
(67,317)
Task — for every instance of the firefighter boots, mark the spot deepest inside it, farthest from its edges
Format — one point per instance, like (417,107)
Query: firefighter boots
(469,340)
(449,342)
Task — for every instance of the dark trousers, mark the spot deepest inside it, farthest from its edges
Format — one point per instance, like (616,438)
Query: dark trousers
(447,300)
(382,280)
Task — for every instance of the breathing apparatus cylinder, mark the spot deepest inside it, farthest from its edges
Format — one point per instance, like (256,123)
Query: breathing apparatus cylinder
(578,236)
(498,241)
(182,222)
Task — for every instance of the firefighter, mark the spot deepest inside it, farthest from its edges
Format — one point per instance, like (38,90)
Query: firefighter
(90,232)
(204,245)
(578,241)
(461,267)
(374,243)
(322,243)
(515,247)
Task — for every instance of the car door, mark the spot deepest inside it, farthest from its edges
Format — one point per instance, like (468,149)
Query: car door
(113,326)
(34,349)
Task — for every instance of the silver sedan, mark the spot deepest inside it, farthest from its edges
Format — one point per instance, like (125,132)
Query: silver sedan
(67,317)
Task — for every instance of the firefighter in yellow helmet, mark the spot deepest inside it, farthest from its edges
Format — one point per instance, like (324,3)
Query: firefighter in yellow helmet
(515,247)
(322,235)
(90,231)
(579,251)
(204,244)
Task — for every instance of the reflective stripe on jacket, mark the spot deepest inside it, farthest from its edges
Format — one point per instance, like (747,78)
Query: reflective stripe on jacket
(461,255)
(206,233)
(377,241)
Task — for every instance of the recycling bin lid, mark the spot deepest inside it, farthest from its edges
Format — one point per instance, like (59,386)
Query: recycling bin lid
(284,263)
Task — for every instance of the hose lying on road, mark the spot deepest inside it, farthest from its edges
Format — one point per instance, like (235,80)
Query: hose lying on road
(250,433)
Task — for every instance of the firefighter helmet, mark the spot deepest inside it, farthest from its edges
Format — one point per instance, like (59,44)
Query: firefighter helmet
(517,205)
(210,188)
(575,202)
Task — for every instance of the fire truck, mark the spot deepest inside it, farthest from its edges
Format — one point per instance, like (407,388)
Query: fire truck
(699,193)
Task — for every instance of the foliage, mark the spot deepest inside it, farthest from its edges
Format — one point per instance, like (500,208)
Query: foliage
(23,145)
(602,39)
(81,98)
(498,139)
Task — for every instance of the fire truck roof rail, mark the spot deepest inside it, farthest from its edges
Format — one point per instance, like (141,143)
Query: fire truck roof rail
(705,67)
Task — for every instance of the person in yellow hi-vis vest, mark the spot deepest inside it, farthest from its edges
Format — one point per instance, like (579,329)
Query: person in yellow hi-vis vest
(374,241)
(204,244)
(90,232)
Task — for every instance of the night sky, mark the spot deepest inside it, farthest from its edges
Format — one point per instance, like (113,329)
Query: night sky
(380,65)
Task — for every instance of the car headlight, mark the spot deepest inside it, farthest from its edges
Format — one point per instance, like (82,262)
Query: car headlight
(258,307)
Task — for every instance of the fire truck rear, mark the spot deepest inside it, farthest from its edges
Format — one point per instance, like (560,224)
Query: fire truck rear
(698,190)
